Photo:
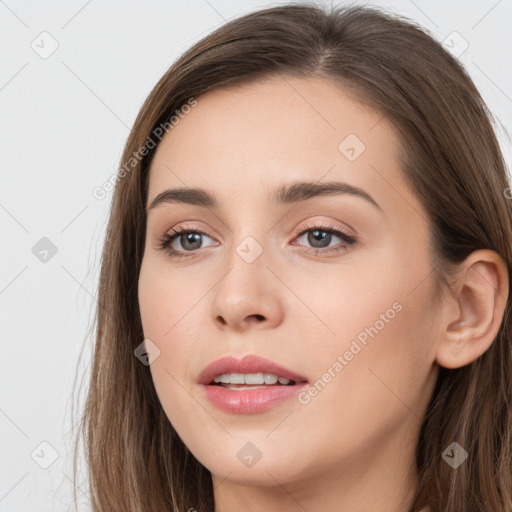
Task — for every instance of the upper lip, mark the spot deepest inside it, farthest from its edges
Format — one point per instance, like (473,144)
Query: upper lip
(248,364)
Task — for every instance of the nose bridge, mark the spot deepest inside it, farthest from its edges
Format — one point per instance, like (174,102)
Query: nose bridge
(250,236)
(246,262)
(247,290)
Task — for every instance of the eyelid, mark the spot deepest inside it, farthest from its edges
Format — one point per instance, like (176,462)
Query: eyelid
(325,226)
(184,228)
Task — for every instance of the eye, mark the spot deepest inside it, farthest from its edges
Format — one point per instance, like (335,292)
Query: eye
(321,236)
(189,239)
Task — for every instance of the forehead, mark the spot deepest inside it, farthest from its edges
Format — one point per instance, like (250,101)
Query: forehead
(240,140)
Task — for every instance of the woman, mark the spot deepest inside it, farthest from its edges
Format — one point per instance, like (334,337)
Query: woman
(304,294)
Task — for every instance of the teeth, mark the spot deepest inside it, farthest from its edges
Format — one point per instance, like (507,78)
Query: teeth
(237,378)
(253,378)
(250,378)
(271,379)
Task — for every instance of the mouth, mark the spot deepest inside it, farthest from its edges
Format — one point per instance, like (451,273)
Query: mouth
(249,385)
(239,381)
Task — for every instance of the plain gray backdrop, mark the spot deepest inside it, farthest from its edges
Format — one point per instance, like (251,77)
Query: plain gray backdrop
(73,77)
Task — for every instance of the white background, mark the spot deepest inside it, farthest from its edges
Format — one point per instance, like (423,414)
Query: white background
(65,119)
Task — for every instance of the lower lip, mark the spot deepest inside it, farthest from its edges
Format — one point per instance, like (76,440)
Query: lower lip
(251,401)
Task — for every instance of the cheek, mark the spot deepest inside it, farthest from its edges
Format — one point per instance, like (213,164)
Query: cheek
(169,313)
(372,379)
(380,355)
(367,338)
(168,303)
(170,319)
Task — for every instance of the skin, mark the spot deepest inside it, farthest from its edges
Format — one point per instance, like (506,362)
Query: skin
(351,448)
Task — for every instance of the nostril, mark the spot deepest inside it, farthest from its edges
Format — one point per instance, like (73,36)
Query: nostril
(255,318)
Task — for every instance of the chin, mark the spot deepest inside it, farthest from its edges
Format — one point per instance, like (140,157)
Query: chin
(262,474)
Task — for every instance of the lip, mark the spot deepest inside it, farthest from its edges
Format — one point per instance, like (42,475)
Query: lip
(249,401)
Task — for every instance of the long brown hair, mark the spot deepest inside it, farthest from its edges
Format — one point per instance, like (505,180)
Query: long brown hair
(451,159)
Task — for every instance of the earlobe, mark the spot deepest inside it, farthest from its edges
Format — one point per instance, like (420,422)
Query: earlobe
(471,319)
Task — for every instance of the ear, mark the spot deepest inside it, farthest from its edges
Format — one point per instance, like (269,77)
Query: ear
(471,317)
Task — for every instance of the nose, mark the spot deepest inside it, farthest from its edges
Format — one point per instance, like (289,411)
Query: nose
(248,296)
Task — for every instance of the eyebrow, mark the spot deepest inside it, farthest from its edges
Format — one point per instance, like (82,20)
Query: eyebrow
(285,194)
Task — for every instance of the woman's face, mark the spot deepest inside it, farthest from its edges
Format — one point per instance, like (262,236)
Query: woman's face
(347,313)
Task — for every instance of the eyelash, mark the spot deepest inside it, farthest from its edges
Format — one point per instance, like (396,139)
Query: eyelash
(166,240)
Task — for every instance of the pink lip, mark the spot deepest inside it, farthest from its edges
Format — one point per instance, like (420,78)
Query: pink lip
(250,400)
